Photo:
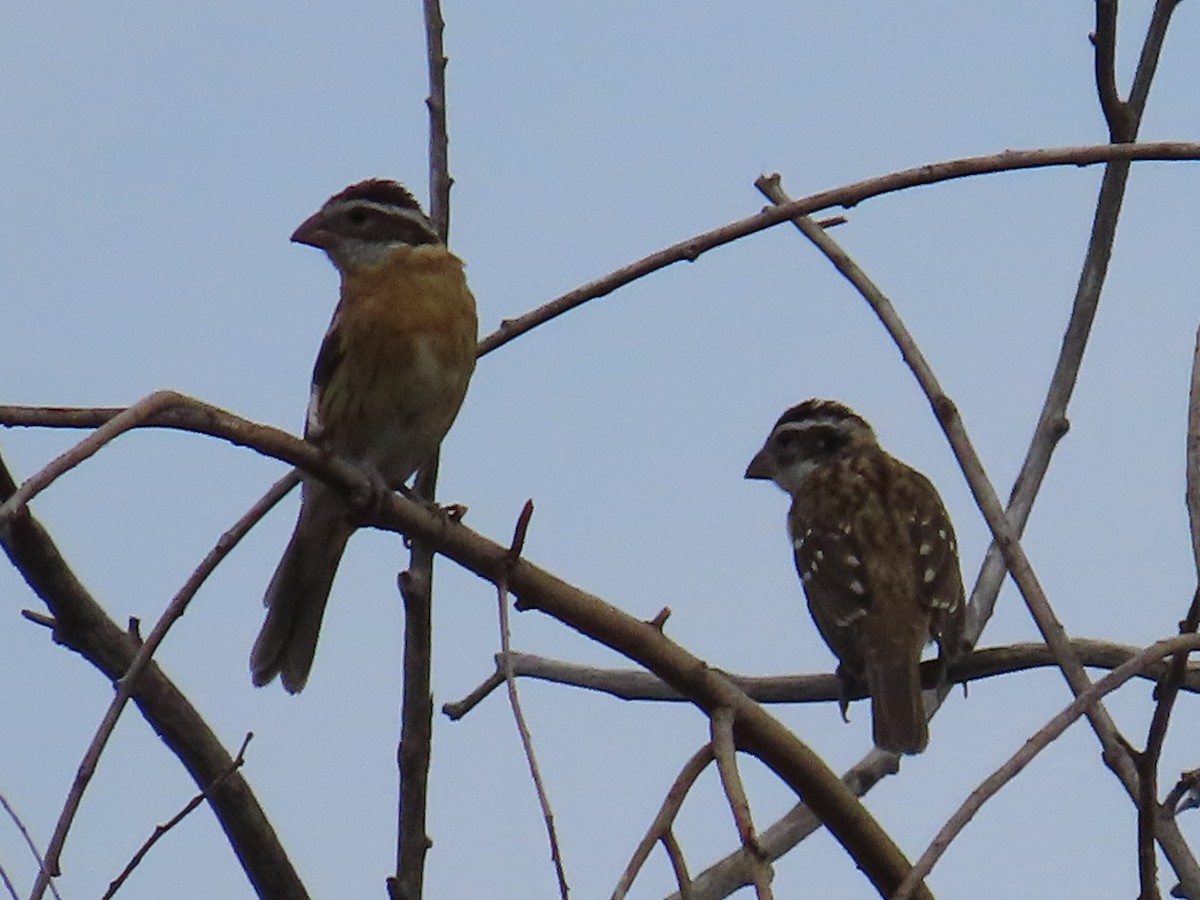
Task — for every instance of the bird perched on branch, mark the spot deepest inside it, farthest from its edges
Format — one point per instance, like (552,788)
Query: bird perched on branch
(389,380)
(876,554)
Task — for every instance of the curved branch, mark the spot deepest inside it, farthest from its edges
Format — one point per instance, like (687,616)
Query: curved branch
(846,196)
(81,625)
(755,730)
(1032,747)
(128,683)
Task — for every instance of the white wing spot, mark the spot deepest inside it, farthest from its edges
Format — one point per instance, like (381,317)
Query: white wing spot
(798,543)
(846,529)
(856,587)
(812,568)
(930,574)
(852,560)
(850,618)
(807,576)
(925,549)
(942,533)
(818,554)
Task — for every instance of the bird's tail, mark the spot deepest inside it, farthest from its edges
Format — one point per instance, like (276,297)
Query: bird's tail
(897,713)
(298,592)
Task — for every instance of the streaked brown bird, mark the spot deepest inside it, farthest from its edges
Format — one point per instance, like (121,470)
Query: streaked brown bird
(389,379)
(876,553)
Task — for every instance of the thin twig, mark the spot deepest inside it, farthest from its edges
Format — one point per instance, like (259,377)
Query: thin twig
(37,855)
(439,134)
(1122,122)
(725,753)
(1039,741)
(8,885)
(1168,686)
(1147,761)
(131,417)
(161,830)
(416,583)
(660,828)
(514,700)
(678,864)
(638,684)
(127,683)
(80,624)
(1193,456)
(845,196)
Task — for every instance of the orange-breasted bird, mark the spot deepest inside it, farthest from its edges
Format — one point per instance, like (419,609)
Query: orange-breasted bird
(389,379)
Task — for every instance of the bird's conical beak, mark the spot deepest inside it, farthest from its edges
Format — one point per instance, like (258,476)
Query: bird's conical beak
(312,232)
(760,467)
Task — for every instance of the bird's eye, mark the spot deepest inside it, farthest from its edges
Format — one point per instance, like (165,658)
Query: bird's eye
(357,216)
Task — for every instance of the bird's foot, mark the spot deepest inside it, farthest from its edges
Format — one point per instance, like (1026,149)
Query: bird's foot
(370,499)
(853,687)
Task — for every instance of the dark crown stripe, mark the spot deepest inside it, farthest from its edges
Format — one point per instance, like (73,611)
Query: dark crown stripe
(378,190)
(828,412)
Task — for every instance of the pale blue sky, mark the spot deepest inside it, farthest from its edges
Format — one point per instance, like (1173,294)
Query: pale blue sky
(156,160)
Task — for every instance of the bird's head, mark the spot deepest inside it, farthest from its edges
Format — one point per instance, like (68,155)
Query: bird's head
(805,436)
(360,226)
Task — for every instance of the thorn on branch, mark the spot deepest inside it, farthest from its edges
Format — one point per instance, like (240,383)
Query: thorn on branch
(831,222)
(38,618)
(661,619)
(519,532)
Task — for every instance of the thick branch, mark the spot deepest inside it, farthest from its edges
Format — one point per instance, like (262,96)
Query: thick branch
(82,625)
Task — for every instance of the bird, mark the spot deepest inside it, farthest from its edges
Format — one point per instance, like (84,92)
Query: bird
(876,555)
(388,382)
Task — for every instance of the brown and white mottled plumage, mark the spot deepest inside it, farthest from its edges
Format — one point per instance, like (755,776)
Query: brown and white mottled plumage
(388,382)
(876,553)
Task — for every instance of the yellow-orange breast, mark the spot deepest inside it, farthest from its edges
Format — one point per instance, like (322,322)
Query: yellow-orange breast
(406,333)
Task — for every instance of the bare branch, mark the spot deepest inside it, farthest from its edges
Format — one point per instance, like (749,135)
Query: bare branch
(8,885)
(1122,121)
(725,753)
(132,417)
(514,700)
(416,584)
(1045,735)
(756,732)
(678,864)
(660,828)
(127,684)
(416,728)
(1193,455)
(439,135)
(161,830)
(846,196)
(37,855)
(1169,684)
(637,684)
(81,625)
